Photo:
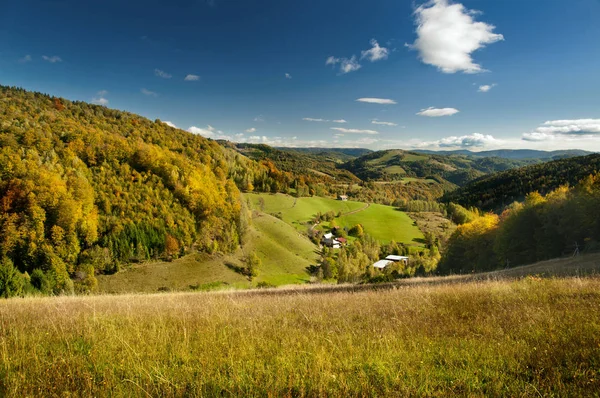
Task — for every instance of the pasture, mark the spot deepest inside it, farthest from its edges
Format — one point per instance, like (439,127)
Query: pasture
(384,223)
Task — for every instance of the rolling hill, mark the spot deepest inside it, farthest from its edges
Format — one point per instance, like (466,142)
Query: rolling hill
(396,164)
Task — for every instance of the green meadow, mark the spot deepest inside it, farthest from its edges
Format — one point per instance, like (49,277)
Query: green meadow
(384,223)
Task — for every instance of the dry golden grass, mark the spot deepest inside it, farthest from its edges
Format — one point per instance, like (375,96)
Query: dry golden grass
(489,338)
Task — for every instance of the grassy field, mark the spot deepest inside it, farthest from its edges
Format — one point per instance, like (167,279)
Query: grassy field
(284,253)
(385,223)
(299,211)
(532,337)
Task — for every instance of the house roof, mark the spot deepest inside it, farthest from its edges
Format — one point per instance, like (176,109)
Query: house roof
(381,264)
(328,236)
(391,257)
(342,240)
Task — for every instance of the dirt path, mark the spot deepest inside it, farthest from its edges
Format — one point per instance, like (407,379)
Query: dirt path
(357,210)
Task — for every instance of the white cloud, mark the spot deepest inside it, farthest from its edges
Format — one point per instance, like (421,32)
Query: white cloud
(100,98)
(25,59)
(170,124)
(100,101)
(354,131)
(375,121)
(486,87)
(447,35)
(251,130)
(259,118)
(466,141)
(537,137)
(53,59)
(148,93)
(288,76)
(339,121)
(382,101)
(332,60)
(310,119)
(191,78)
(436,112)
(347,65)
(575,128)
(162,74)
(376,53)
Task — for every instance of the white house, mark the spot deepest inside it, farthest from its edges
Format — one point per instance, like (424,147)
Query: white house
(343,198)
(382,264)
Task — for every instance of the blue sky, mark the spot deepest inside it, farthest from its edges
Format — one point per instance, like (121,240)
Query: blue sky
(476,74)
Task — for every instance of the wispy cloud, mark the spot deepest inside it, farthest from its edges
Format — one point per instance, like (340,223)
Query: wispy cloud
(148,93)
(192,78)
(52,59)
(354,131)
(375,121)
(375,53)
(311,119)
(251,130)
(259,118)
(288,76)
(339,121)
(170,124)
(163,74)
(25,59)
(486,87)
(100,98)
(447,35)
(347,65)
(438,112)
(382,101)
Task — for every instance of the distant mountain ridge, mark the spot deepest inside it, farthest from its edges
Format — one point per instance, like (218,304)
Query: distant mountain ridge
(513,153)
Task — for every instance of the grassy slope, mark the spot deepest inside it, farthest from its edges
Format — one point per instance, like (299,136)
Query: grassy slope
(284,253)
(533,337)
(385,223)
(300,211)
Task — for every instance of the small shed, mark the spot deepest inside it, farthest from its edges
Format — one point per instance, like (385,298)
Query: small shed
(343,198)
(381,264)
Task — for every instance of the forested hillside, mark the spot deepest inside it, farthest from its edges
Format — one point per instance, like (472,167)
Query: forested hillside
(397,164)
(84,188)
(565,221)
(495,191)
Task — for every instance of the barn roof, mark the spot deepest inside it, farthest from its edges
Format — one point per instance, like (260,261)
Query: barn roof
(381,264)
(392,257)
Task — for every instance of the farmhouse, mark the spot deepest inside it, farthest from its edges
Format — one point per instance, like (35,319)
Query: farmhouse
(382,264)
(343,198)
(397,259)
(330,241)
